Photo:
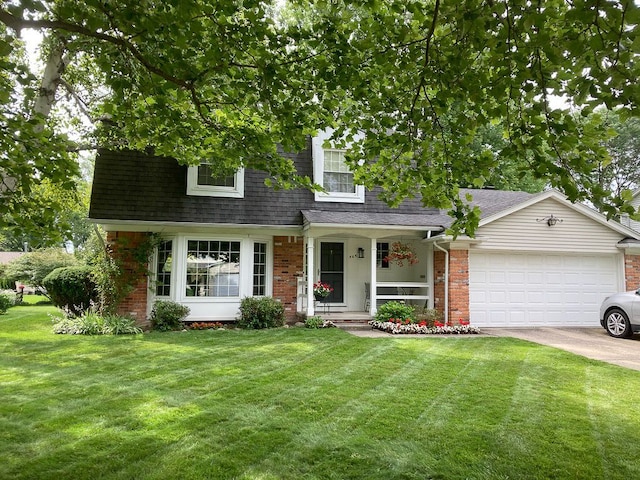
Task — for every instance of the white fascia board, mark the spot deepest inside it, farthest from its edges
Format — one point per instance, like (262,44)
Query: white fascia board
(148,226)
(461,240)
(559,197)
(351,226)
(630,248)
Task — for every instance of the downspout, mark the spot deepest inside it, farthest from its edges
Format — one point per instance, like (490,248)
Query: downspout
(446,281)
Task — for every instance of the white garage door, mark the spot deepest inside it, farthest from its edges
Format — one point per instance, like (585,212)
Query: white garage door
(527,289)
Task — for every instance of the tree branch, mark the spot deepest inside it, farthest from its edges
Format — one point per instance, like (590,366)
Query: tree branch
(427,48)
(18,23)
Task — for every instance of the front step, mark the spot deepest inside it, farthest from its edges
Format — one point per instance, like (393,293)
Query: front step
(351,324)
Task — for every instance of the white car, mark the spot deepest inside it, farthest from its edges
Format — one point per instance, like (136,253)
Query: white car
(620,314)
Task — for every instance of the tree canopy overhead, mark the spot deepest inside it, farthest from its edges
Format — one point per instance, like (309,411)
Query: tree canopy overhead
(229,79)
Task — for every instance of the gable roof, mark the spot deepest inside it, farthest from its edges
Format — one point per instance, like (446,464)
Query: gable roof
(492,202)
(554,194)
(137,188)
(131,187)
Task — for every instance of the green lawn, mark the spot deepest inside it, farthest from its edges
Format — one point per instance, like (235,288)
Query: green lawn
(306,404)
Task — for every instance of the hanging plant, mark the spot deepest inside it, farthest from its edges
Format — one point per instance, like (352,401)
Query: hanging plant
(399,252)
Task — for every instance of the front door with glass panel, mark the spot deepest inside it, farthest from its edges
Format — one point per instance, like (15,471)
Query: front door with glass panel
(332,269)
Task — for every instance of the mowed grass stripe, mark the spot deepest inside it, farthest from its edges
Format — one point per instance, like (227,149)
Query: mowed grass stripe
(290,404)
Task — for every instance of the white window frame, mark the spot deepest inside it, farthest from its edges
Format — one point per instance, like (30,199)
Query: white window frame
(172,276)
(317,150)
(214,190)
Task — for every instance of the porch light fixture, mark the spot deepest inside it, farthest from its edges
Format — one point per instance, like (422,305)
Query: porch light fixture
(551,220)
(360,252)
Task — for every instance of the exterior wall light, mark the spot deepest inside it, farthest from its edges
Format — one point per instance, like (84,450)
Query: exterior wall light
(360,252)
(551,220)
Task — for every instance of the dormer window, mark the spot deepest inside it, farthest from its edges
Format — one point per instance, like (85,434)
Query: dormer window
(337,178)
(200,181)
(331,171)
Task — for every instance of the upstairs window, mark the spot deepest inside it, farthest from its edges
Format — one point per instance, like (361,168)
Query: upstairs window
(331,171)
(200,181)
(337,178)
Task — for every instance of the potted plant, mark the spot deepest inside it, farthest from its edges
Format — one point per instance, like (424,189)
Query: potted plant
(400,252)
(321,290)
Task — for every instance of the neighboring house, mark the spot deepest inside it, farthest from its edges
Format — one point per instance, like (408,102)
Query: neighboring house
(635,201)
(227,238)
(8,257)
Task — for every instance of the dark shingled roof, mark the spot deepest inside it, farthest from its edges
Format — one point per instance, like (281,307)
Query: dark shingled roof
(386,219)
(135,186)
(494,201)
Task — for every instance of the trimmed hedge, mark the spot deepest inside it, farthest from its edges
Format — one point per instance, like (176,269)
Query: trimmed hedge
(167,315)
(261,312)
(71,288)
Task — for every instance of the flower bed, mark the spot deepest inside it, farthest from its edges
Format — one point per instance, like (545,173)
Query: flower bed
(422,328)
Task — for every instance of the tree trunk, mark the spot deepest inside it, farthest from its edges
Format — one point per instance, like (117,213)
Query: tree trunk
(51,78)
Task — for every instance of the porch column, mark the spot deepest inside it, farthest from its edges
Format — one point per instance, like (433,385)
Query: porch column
(374,264)
(310,267)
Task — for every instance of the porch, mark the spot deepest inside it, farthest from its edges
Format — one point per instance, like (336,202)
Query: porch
(414,293)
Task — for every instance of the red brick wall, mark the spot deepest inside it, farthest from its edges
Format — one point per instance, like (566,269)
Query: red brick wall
(632,271)
(288,265)
(123,245)
(438,281)
(458,284)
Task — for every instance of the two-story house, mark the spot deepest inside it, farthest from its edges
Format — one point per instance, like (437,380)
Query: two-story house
(535,259)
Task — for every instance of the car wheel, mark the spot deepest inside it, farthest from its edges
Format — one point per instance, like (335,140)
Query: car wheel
(617,323)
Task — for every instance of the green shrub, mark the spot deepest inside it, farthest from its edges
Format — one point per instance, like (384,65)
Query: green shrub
(5,282)
(313,322)
(71,288)
(91,323)
(396,311)
(33,267)
(260,312)
(167,315)
(7,300)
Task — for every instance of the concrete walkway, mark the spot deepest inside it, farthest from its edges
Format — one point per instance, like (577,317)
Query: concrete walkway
(589,342)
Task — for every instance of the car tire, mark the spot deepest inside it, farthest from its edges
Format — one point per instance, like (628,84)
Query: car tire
(616,323)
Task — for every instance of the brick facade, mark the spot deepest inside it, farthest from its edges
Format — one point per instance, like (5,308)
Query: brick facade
(438,281)
(123,245)
(288,265)
(458,284)
(632,271)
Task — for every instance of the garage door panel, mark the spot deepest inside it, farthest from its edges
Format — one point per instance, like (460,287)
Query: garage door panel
(535,289)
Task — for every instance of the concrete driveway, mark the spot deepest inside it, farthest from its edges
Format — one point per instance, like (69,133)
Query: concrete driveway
(588,342)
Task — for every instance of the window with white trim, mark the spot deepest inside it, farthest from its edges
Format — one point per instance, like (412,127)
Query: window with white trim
(201,181)
(213,268)
(332,172)
(163,268)
(382,252)
(259,269)
(336,176)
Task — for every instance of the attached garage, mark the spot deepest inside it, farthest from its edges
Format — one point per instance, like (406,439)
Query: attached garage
(533,262)
(527,289)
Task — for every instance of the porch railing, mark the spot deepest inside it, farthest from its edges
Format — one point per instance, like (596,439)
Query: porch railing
(301,295)
(409,292)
